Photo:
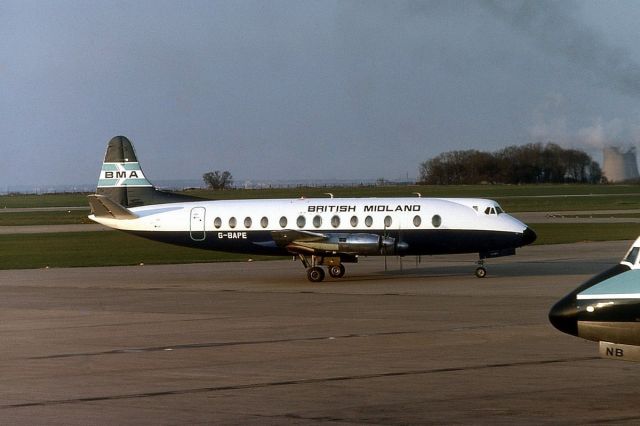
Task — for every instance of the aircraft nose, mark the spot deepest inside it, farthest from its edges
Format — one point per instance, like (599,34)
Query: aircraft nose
(528,236)
(564,315)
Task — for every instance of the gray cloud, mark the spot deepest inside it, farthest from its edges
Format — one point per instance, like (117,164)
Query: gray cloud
(555,28)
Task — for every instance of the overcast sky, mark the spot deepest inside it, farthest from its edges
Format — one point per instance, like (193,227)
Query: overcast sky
(307,89)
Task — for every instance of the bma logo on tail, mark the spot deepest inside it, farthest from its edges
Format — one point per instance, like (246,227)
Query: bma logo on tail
(122,174)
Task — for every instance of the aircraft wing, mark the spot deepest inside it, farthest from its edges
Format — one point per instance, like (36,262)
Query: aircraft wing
(298,241)
(305,242)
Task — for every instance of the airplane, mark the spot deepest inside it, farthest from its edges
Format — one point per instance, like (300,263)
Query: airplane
(318,231)
(606,309)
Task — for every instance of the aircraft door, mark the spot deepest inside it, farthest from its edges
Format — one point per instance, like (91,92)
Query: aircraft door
(196,230)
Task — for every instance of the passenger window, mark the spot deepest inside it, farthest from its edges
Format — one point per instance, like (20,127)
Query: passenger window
(217,222)
(301,221)
(233,222)
(354,221)
(317,221)
(417,221)
(247,222)
(283,222)
(436,221)
(368,221)
(264,222)
(335,221)
(387,221)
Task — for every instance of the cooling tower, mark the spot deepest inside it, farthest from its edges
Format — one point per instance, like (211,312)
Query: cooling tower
(620,165)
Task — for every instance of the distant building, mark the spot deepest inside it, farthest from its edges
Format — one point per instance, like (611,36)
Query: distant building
(620,165)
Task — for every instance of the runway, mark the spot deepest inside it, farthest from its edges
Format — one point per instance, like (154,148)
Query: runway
(255,343)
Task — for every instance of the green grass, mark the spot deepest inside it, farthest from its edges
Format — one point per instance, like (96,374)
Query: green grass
(558,204)
(513,198)
(77,249)
(45,218)
(479,191)
(559,233)
(46,200)
(116,248)
(502,192)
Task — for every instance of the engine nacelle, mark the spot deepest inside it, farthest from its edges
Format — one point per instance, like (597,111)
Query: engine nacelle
(365,244)
(351,244)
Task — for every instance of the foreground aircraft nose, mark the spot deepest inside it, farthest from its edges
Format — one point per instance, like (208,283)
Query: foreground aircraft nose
(528,236)
(564,315)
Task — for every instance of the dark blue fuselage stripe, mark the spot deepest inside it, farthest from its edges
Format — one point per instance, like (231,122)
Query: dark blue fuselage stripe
(420,242)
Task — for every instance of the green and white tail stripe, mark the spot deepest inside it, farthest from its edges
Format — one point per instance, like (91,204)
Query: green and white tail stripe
(122,174)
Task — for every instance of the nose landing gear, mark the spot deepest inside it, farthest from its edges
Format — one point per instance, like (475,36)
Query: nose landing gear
(481,271)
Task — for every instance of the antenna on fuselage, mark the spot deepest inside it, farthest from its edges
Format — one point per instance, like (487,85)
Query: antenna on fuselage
(329,194)
(418,194)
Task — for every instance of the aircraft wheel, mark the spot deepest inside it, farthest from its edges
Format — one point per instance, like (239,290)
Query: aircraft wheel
(315,274)
(336,271)
(481,272)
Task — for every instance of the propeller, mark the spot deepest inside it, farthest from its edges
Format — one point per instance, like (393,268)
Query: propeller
(384,248)
(399,242)
(387,243)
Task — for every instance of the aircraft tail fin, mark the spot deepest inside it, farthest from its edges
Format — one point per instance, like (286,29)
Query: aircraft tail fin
(123,181)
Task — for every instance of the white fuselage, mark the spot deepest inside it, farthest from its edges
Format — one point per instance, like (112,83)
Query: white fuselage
(249,215)
(217,222)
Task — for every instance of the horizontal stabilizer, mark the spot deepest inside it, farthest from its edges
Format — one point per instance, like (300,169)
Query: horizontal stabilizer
(103,206)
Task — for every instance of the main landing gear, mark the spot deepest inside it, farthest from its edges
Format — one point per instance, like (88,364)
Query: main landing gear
(315,273)
(336,271)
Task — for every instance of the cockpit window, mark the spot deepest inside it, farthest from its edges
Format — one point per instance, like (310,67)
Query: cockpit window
(632,256)
(487,210)
(499,210)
